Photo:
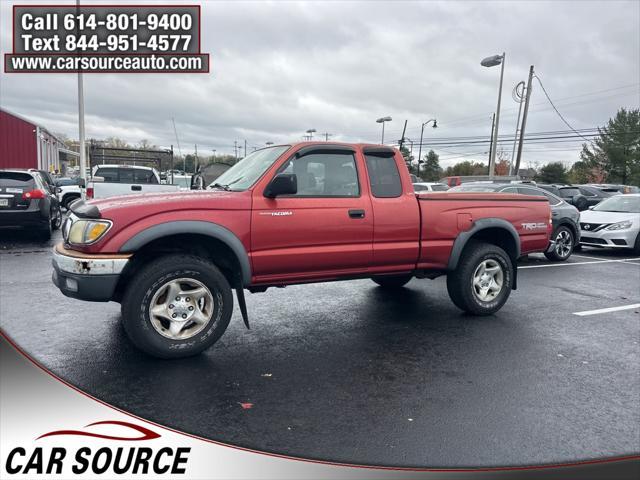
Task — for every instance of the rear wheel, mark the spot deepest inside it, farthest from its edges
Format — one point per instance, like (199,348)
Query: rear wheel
(177,306)
(481,283)
(56,218)
(392,281)
(636,245)
(563,236)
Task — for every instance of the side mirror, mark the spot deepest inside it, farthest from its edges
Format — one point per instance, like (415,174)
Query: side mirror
(282,184)
(591,207)
(81,182)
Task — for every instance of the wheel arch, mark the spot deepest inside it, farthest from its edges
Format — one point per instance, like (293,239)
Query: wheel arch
(496,231)
(206,238)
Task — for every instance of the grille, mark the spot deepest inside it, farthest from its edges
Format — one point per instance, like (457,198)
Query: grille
(592,227)
(593,240)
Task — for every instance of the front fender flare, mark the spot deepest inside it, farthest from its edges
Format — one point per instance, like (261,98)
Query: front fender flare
(209,229)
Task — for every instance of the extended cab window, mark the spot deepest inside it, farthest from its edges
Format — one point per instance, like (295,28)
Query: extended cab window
(383,176)
(324,175)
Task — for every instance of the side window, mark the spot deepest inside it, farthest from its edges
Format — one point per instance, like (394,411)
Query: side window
(510,190)
(586,192)
(109,174)
(145,176)
(553,200)
(324,175)
(384,177)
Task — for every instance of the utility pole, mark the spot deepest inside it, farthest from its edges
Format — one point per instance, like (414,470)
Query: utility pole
(245,148)
(195,161)
(235,149)
(404,130)
(524,119)
(493,126)
(326,136)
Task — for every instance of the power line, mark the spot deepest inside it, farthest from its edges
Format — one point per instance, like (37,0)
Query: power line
(554,107)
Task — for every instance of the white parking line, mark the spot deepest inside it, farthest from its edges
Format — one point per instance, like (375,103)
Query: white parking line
(567,264)
(606,310)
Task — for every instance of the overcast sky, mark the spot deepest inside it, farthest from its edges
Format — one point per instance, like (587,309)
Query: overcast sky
(280,68)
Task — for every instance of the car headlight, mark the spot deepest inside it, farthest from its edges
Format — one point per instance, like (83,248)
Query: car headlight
(620,225)
(84,232)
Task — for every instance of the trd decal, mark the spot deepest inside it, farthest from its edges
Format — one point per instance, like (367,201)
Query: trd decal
(534,226)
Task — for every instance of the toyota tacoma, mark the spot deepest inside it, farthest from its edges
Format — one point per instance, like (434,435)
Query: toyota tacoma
(284,215)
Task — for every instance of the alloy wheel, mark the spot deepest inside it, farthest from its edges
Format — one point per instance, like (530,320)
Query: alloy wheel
(181,308)
(488,280)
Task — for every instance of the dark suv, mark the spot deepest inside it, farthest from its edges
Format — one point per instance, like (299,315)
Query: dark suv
(27,200)
(571,195)
(566,218)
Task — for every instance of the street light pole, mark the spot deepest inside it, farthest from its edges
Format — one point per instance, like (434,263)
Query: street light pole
(83,148)
(311,131)
(492,62)
(435,125)
(383,120)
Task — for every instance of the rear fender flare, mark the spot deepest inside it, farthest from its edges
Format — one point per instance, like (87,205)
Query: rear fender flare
(209,229)
(482,224)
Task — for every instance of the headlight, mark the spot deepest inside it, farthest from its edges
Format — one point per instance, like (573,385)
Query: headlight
(620,225)
(87,231)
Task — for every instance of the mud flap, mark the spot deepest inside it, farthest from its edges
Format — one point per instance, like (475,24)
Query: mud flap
(515,274)
(243,306)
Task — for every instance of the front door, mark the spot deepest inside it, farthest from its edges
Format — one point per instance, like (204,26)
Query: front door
(324,230)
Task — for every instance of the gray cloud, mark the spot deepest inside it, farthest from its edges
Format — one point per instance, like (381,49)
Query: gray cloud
(279,68)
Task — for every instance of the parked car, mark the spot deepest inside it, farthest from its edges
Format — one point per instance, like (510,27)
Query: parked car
(568,193)
(27,201)
(430,187)
(613,223)
(609,187)
(69,190)
(114,180)
(285,215)
(566,228)
(594,195)
(457,180)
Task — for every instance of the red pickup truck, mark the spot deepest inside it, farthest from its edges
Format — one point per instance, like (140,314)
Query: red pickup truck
(289,214)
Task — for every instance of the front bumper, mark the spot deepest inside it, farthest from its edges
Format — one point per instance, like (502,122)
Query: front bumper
(87,277)
(610,238)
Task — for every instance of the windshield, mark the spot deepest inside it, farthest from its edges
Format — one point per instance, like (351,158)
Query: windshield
(248,170)
(619,203)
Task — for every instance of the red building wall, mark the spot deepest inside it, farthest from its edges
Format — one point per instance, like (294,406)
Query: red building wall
(18,146)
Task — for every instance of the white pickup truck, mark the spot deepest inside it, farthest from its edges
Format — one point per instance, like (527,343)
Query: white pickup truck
(114,180)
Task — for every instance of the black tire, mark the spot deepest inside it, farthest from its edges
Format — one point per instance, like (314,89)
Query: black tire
(149,280)
(565,243)
(636,245)
(577,248)
(460,282)
(56,218)
(392,281)
(68,200)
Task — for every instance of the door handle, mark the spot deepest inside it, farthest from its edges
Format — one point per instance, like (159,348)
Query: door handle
(136,188)
(356,213)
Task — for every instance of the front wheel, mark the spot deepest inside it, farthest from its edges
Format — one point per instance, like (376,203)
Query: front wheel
(563,237)
(481,284)
(177,306)
(56,218)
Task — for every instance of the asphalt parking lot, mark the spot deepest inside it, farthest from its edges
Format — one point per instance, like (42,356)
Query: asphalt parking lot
(348,372)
